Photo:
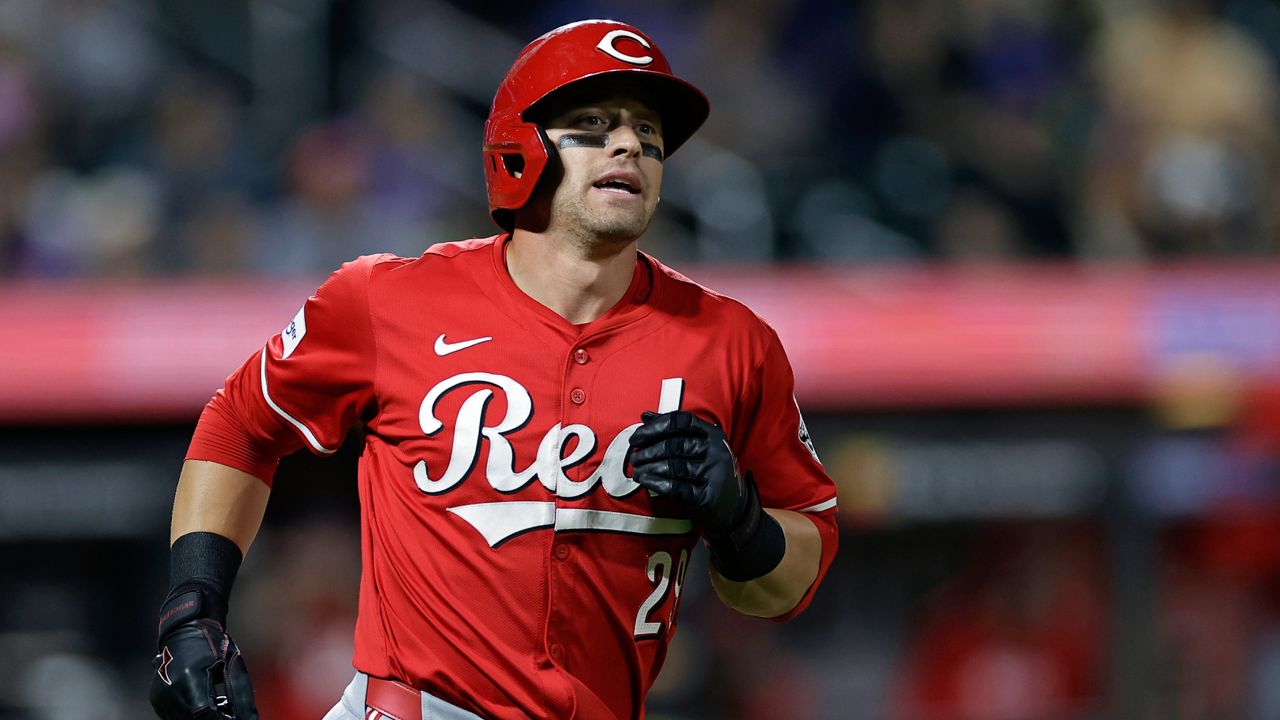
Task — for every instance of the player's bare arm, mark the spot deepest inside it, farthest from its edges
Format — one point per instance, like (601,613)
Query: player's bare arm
(215,498)
(777,592)
(217,511)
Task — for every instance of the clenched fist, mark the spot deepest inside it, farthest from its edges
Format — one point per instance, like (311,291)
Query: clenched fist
(687,459)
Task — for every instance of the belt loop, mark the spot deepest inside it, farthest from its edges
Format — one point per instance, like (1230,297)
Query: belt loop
(353,696)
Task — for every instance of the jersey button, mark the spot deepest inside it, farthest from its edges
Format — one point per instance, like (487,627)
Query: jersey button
(580,356)
(578,396)
(562,552)
(556,651)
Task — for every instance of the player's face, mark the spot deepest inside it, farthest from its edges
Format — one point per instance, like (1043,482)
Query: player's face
(611,151)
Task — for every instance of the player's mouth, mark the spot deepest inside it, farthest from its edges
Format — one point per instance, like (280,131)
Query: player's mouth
(619,182)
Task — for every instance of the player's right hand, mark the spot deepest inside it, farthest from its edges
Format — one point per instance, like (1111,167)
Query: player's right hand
(200,675)
(683,457)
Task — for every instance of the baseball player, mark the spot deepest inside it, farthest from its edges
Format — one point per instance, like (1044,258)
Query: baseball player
(552,420)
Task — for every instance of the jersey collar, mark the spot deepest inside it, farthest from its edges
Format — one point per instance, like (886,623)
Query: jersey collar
(636,303)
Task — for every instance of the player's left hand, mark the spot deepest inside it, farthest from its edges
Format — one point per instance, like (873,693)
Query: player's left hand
(200,675)
(683,457)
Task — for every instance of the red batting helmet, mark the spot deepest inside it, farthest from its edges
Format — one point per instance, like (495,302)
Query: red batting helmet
(516,151)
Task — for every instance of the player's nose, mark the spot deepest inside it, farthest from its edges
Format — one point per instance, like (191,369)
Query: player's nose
(624,141)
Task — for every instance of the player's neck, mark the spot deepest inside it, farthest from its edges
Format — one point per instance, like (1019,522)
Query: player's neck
(578,282)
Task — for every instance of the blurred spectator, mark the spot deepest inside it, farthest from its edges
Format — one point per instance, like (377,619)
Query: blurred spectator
(1205,620)
(759,110)
(1183,159)
(1213,475)
(958,99)
(419,177)
(71,686)
(21,155)
(322,220)
(890,130)
(975,227)
(1016,636)
(218,235)
(384,179)
(298,613)
(102,224)
(194,141)
(757,676)
(98,61)
(1248,545)
(763,119)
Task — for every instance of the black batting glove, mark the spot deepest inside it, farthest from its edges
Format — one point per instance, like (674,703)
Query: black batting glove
(680,456)
(200,674)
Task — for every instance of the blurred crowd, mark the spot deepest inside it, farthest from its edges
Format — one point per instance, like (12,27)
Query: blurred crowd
(155,138)
(143,137)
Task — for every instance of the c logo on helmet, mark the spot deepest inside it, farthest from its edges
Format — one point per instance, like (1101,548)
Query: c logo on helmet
(606,46)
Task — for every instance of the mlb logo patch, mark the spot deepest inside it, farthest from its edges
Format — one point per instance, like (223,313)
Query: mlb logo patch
(292,333)
(803,433)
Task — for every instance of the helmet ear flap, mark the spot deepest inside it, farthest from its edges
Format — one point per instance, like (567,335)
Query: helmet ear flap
(550,154)
(515,159)
(513,164)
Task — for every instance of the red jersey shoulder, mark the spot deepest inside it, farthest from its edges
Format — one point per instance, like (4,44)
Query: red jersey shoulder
(386,267)
(456,248)
(362,269)
(366,263)
(386,262)
(683,297)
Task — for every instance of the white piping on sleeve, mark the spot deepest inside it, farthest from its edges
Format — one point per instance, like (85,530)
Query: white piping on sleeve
(306,431)
(819,507)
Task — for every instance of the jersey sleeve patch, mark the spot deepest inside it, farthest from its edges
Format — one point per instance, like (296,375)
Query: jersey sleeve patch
(293,332)
(803,433)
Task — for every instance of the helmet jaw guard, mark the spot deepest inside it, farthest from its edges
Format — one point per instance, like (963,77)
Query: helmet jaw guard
(517,151)
(515,155)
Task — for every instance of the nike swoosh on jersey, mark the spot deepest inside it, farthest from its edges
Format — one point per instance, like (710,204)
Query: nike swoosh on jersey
(445,348)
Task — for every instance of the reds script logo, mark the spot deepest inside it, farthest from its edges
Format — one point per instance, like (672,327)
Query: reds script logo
(500,521)
(608,46)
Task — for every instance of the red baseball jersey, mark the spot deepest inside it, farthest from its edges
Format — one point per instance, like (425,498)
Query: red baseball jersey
(510,564)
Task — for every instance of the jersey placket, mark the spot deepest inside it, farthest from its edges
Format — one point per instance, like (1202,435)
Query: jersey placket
(575,398)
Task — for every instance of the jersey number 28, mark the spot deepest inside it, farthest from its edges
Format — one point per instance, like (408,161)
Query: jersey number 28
(665,577)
